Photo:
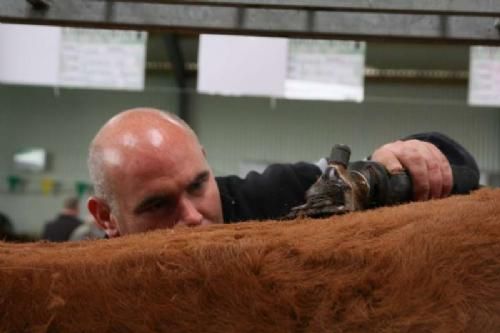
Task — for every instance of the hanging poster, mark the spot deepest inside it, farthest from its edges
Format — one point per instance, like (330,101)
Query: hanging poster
(484,76)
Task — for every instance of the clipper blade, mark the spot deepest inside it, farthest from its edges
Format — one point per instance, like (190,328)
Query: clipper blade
(322,201)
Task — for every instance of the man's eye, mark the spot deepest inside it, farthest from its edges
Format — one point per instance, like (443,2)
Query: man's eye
(196,186)
(156,205)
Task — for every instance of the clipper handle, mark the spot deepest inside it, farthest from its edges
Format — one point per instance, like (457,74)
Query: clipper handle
(388,189)
(465,179)
(400,185)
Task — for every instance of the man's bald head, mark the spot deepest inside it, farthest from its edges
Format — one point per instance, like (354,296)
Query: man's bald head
(134,129)
(150,172)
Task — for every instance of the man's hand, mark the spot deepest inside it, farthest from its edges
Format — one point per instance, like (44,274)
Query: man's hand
(428,167)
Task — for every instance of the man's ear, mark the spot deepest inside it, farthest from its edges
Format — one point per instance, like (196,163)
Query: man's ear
(102,215)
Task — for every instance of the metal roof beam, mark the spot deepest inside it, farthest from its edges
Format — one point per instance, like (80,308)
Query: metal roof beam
(257,21)
(437,7)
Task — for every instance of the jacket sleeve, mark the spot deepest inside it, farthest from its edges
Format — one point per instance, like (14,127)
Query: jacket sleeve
(269,195)
(464,167)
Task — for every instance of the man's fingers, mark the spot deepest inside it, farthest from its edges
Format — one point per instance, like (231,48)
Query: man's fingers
(415,163)
(429,169)
(386,156)
(400,155)
(434,170)
(446,173)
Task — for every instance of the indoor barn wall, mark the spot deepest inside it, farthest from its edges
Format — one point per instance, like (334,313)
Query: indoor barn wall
(234,131)
(259,129)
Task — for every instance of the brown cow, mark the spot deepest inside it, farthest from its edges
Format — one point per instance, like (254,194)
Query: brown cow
(420,267)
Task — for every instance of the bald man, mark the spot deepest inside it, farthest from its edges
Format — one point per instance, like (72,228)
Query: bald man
(150,172)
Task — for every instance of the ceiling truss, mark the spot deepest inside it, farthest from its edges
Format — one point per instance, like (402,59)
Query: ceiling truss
(443,21)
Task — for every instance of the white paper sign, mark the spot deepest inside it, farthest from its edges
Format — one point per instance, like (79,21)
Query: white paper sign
(484,76)
(277,67)
(325,70)
(113,59)
(29,54)
(69,57)
(241,65)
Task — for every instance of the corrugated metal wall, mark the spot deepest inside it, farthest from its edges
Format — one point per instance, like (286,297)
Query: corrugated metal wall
(256,129)
(234,130)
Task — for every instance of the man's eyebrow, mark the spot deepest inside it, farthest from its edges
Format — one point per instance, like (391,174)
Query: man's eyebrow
(150,201)
(201,177)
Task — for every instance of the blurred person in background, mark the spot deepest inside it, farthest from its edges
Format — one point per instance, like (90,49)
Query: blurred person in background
(61,227)
(9,234)
(6,228)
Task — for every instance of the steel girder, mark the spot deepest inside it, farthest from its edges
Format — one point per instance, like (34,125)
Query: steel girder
(450,21)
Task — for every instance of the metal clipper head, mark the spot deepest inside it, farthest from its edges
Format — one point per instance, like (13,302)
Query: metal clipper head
(333,192)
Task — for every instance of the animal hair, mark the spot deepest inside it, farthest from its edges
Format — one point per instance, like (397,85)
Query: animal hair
(418,267)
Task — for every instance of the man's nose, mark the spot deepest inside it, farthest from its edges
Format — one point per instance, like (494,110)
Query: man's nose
(189,215)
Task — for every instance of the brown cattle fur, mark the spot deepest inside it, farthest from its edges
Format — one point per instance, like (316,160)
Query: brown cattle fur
(420,267)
